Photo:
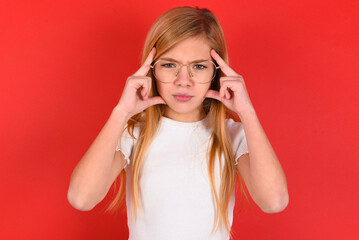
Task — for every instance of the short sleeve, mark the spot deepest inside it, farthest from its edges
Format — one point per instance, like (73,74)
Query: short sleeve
(126,144)
(237,137)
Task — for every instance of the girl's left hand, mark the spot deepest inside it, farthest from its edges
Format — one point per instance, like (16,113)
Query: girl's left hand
(233,93)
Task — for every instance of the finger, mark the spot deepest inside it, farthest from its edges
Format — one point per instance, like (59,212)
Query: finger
(228,95)
(144,90)
(140,84)
(225,89)
(237,77)
(146,86)
(149,80)
(137,81)
(143,93)
(222,91)
(213,94)
(223,65)
(147,64)
(154,100)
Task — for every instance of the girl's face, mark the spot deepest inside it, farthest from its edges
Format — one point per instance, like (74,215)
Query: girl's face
(183,96)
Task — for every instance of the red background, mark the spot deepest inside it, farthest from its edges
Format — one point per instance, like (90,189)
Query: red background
(63,65)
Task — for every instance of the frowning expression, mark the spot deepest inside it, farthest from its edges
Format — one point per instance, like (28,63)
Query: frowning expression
(183,95)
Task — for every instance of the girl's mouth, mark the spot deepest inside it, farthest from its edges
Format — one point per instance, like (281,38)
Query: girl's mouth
(182,98)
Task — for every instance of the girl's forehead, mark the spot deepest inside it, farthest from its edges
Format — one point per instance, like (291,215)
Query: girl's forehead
(191,61)
(189,50)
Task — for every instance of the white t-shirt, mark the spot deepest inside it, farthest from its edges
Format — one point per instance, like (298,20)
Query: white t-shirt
(176,195)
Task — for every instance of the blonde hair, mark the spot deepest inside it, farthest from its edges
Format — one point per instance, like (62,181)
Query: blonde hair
(170,28)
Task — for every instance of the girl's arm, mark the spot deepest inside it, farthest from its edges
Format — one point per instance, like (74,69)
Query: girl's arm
(260,169)
(101,164)
(94,174)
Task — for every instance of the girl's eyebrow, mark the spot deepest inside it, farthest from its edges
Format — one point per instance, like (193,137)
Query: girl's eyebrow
(174,60)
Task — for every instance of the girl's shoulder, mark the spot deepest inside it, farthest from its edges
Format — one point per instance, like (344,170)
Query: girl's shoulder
(132,131)
(237,137)
(231,123)
(234,128)
(135,125)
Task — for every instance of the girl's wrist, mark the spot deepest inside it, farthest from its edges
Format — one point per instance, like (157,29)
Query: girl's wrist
(246,113)
(121,114)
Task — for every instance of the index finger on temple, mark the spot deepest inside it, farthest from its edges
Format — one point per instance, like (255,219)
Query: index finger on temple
(146,65)
(223,65)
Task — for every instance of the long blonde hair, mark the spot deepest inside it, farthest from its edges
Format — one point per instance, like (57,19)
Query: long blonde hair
(170,28)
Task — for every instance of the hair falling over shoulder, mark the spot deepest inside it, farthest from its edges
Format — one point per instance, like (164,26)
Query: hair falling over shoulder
(170,28)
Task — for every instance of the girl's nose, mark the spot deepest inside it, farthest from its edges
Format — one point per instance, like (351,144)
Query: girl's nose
(184,76)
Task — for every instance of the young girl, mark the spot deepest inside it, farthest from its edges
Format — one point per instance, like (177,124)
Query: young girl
(172,135)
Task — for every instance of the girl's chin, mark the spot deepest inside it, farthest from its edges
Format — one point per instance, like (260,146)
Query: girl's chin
(183,108)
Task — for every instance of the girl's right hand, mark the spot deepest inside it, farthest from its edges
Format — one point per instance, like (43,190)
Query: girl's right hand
(134,97)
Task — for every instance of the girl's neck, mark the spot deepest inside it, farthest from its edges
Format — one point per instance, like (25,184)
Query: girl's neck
(185,117)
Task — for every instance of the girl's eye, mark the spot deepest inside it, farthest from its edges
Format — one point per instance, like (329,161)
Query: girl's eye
(199,66)
(169,65)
